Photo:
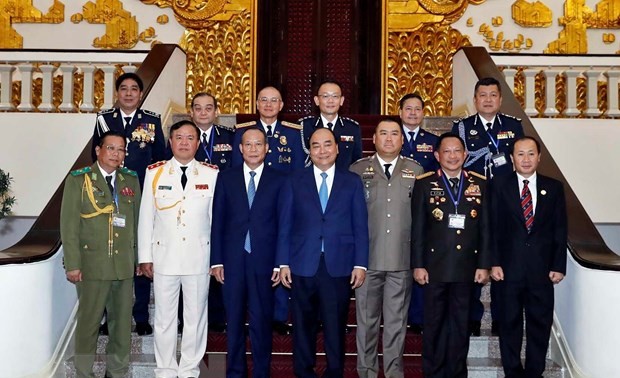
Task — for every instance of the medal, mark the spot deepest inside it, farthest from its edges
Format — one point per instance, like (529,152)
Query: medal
(438,214)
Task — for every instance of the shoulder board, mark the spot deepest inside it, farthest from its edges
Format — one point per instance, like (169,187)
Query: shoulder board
(305,118)
(128,172)
(352,120)
(107,111)
(358,161)
(464,118)
(476,174)
(152,114)
(408,158)
(425,175)
(158,164)
(291,125)
(246,124)
(509,116)
(227,128)
(81,171)
(210,165)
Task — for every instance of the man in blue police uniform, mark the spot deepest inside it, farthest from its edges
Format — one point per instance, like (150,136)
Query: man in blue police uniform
(489,136)
(419,145)
(329,99)
(145,145)
(286,154)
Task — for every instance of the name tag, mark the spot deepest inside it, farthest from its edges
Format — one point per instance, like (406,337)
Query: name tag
(456,221)
(118,220)
(164,187)
(499,159)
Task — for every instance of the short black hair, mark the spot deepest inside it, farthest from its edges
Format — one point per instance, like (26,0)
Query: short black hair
(132,76)
(388,119)
(446,136)
(256,128)
(182,123)
(110,133)
(204,94)
(322,128)
(328,81)
(523,138)
(486,81)
(409,96)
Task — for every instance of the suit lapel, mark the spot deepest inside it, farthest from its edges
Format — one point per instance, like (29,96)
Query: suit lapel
(542,192)
(238,181)
(333,194)
(514,197)
(309,186)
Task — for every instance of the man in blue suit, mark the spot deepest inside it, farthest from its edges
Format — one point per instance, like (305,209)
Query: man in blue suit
(145,145)
(249,243)
(328,254)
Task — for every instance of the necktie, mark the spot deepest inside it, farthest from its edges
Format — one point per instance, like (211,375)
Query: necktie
(183,177)
(205,141)
(127,122)
(330,126)
(269,132)
(387,170)
(489,126)
(411,139)
(527,206)
(323,196)
(455,187)
(109,180)
(251,193)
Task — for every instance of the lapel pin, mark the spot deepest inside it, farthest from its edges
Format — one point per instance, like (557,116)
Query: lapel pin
(543,192)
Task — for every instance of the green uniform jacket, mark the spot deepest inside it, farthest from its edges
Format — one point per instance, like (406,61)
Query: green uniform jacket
(100,251)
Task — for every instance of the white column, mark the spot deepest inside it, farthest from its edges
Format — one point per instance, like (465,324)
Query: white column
(108,86)
(47,88)
(550,75)
(129,69)
(529,91)
(25,104)
(88,93)
(67,70)
(571,92)
(592,109)
(509,76)
(612,93)
(6,92)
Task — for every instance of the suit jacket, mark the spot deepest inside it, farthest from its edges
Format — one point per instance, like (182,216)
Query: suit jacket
(423,148)
(87,207)
(389,211)
(175,224)
(348,136)
(285,153)
(529,257)
(343,227)
(145,138)
(506,129)
(268,220)
(450,254)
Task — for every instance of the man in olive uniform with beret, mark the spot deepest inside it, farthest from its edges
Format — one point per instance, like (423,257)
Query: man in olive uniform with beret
(98,227)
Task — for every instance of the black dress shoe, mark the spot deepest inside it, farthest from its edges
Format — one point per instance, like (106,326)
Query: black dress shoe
(474,328)
(415,329)
(281,328)
(144,328)
(495,328)
(217,327)
(103,329)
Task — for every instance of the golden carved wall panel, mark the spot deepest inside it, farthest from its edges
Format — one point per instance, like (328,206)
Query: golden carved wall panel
(531,15)
(23,11)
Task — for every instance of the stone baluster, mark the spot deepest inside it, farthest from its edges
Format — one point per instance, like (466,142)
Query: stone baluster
(25,71)
(509,76)
(571,92)
(88,92)
(550,93)
(592,109)
(47,87)
(108,86)
(67,70)
(129,68)
(529,91)
(613,110)
(6,92)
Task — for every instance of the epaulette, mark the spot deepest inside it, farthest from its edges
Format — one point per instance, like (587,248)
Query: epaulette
(129,172)
(291,125)
(155,165)
(510,116)
(352,120)
(463,118)
(227,128)
(152,114)
(81,171)
(210,165)
(245,124)
(477,175)
(107,111)
(305,118)
(367,158)
(425,175)
(411,160)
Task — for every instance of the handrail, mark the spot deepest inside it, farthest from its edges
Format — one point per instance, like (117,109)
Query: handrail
(43,239)
(584,241)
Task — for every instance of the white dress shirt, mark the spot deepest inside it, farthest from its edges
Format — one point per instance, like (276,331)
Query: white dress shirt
(325,121)
(408,136)
(329,180)
(383,163)
(246,175)
(532,185)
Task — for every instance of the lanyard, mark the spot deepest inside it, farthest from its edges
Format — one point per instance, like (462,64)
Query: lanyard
(449,187)
(209,152)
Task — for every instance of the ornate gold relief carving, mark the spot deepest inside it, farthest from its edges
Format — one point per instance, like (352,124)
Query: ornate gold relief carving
(121,28)
(22,11)
(194,13)
(531,15)
(606,16)
(573,39)
(403,15)
(163,19)
(499,42)
(609,38)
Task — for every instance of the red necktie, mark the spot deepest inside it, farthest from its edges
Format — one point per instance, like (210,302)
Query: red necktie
(527,206)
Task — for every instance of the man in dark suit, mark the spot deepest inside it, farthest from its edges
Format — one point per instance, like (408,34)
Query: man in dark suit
(529,257)
(145,145)
(450,251)
(348,134)
(249,242)
(328,254)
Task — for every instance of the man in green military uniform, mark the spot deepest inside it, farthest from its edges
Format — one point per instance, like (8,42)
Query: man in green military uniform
(98,227)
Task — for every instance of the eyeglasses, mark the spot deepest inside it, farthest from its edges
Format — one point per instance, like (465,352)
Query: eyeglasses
(273,100)
(113,149)
(327,96)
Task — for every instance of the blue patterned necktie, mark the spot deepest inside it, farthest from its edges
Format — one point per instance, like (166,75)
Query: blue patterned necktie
(251,194)
(323,195)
